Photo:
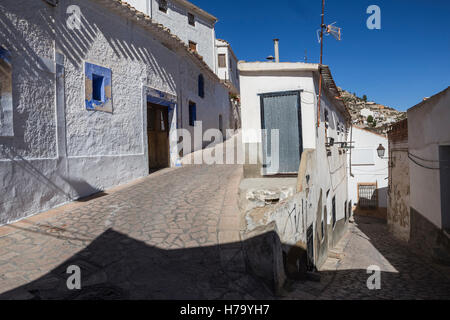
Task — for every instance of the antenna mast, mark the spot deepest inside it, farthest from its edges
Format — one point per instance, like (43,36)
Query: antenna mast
(336,33)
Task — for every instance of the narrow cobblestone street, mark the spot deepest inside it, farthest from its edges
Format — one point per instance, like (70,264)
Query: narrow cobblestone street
(155,239)
(404,274)
(175,235)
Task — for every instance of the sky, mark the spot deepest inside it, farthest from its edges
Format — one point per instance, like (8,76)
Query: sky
(400,64)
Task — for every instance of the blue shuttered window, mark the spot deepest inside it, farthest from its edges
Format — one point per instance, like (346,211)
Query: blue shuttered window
(201,86)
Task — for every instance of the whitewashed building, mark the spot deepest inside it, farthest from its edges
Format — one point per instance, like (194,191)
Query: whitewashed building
(419,177)
(90,106)
(429,173)
(368,173)
(311,145)
(194,26)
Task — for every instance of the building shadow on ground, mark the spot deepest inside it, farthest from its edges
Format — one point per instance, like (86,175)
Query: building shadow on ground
(115,266)
(404,274)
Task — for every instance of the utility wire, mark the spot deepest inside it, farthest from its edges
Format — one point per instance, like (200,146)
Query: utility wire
(426,159)
(420,165)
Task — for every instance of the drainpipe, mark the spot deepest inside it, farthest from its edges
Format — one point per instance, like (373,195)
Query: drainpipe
(277,50)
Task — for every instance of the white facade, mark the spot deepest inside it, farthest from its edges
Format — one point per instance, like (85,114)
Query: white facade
(60,151)
(176,19)
(428,129)
(324,172)
(266,80)
(366,166)
(229,72)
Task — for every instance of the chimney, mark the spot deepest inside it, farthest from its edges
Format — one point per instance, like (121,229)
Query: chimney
(277,50)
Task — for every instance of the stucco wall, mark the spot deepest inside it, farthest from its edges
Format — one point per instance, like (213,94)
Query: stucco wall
(323,171)
(398,213)
(369,173)
(230,72)
(61,151)
(427,129)
(254,84)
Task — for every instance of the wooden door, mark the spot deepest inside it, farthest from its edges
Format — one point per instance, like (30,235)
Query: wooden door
(158,136)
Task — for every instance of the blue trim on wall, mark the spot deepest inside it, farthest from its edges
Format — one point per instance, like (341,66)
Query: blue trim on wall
(161,98)
(5,55)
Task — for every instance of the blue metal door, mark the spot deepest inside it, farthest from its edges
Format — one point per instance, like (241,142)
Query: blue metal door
(281,111)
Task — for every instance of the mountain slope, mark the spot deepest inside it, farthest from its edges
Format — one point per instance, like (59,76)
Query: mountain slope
(371,115)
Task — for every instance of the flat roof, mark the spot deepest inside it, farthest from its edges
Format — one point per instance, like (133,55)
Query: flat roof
(276,66)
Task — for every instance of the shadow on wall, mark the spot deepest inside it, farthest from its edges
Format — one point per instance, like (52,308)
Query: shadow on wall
(95,22)
(74,44)
(115,266)
(52,185)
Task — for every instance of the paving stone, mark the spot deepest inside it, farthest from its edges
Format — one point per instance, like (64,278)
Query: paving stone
(154,239)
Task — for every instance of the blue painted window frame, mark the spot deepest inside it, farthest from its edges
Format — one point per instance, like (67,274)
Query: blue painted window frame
(6,97)
(98,78)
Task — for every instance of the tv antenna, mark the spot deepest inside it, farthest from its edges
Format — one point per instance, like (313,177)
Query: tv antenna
(325,30)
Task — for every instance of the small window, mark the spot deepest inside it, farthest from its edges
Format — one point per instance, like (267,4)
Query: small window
(322,225)
(192,113)
(192,46)
(163,6)
(97,85)
(6,102)
(98,88)
(333,211)
(191,19)
(162,121)
(222,61)
(201,86)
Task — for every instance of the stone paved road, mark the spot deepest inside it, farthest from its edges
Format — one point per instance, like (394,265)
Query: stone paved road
(173,235)
(404,274)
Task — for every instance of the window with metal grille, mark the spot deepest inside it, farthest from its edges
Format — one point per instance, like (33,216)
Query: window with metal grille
(192,113)
(191,19)
(222,61)
(163,5)
(367,196)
